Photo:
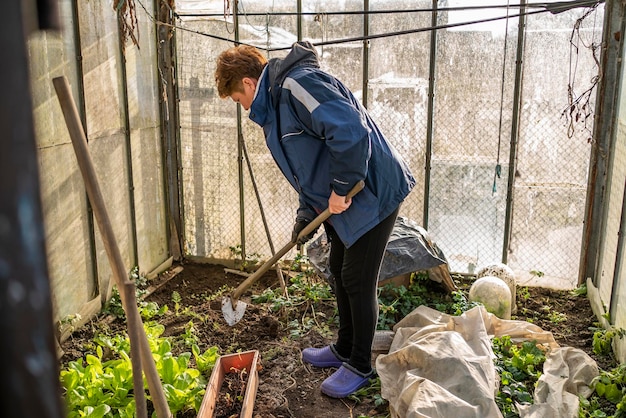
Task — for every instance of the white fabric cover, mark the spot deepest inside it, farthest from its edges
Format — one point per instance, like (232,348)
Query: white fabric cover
(442,366)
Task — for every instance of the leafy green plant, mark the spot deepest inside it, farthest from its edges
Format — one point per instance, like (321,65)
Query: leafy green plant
(523,293)
(519,367)
(301,292)
(187,311)
(603,339)
(609,387)
(300,263)
(579,291)
(101,384)
(308,290)
(460,304)
(86,387)
(205,361)
(183,386)
(151,310)
(247,264)
(147,310)
(590,408)
(189,337)
(556,317)
(396,302)
(371,391)
(176,299)
(386,315)
(274,298)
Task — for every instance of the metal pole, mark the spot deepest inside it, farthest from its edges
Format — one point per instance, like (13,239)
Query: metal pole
(603,136)
(299,22)
(129,148)
(170,129)
(517,94)
(242,203)
(80,90)
(366,51)
(430,113)
(279,271)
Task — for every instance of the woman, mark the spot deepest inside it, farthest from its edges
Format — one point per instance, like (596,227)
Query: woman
(325,142)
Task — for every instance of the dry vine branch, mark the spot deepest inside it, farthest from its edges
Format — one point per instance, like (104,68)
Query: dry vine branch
(579,108)
(127,17)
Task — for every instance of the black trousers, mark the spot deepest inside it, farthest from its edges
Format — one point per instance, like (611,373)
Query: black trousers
(356,272)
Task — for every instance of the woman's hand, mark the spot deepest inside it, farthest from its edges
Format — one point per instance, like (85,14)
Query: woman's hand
(338,204)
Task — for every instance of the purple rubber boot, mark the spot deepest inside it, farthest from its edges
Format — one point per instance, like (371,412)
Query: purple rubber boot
(345,381)
(323,357)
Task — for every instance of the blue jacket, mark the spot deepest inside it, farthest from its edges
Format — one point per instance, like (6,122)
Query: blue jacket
(322,139)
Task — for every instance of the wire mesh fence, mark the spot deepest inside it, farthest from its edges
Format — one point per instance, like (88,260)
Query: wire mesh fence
(476,110)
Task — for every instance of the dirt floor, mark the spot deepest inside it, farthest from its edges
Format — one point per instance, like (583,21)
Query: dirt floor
(287,386)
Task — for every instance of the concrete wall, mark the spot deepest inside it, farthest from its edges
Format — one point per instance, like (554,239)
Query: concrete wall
(118,98)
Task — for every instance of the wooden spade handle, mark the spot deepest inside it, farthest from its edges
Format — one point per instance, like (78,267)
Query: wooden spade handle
(85,164)
(307,230)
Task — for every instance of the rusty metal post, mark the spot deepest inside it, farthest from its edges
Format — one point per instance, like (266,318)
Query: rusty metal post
(168,95)
(30,377)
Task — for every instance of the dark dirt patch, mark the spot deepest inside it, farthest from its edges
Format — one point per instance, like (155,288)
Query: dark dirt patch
(287,386)
(230,398)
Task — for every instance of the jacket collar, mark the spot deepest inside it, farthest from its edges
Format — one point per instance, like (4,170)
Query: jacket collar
(265,99)
(260,109)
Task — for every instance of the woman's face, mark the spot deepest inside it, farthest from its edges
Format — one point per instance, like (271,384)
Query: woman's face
(245,98)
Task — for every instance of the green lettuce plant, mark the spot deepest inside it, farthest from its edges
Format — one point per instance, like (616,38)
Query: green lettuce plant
(100,385)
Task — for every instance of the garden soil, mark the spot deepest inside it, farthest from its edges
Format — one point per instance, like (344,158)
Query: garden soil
(287,386)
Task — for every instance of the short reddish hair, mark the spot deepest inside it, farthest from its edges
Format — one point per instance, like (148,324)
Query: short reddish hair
(234,64)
